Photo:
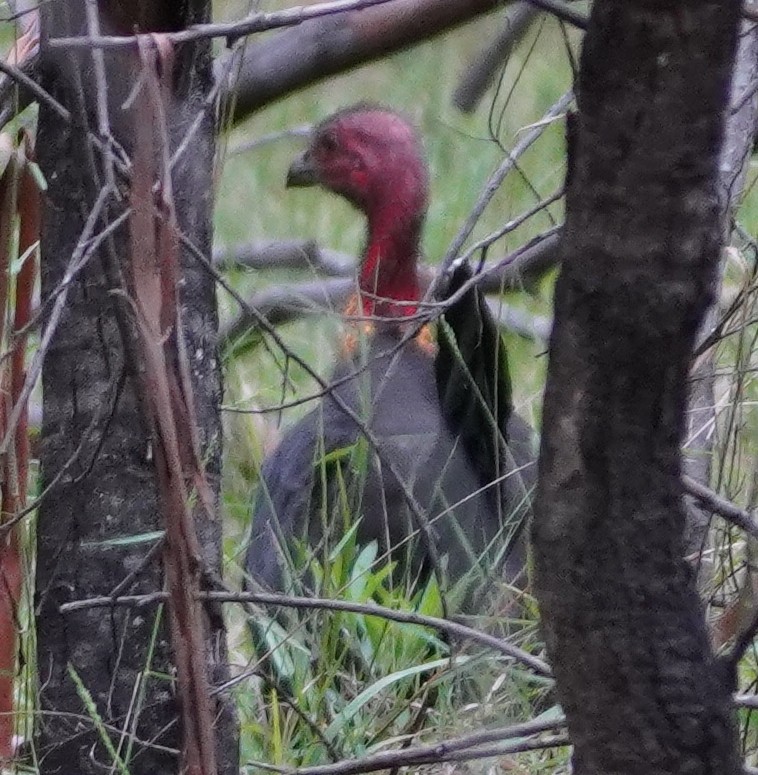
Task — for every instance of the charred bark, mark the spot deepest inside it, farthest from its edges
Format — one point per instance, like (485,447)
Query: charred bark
(99,522)
(625,629)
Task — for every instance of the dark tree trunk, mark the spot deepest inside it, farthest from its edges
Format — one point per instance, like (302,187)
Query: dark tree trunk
(98,523)
(635,673)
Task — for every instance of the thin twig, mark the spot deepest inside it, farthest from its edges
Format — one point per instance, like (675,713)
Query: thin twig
(740,518)
(255,22)
(271,137)
(497,178)
(436,753)
(563,12)
(367,609)
(512,225)
(43,96)
(98,57)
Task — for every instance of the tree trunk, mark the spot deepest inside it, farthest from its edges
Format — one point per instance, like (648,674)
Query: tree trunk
(626,635)
(700,435)
(111,674)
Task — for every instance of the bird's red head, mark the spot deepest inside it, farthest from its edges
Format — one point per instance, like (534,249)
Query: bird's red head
(373,158)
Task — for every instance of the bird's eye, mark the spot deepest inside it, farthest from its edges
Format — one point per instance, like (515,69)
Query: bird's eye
(328,142)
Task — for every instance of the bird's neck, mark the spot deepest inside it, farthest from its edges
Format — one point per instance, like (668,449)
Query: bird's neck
(388,281)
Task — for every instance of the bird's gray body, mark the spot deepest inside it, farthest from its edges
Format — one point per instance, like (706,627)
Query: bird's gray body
(473,527)
(446,487)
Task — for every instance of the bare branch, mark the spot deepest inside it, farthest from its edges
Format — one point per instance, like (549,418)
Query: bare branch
(22,78)
(15,96)
(291,60)
(315,603)
(284,303)
(518,269)
(285,254)
(481,73)
(435,753)
(510,226)
(521,322)
(715,503)
(232,31)
(271,137)
(331,41)
(98,58)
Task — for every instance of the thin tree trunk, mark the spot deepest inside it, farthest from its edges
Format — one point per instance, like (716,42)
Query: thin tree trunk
(626,635)
(700,434)
(111,674)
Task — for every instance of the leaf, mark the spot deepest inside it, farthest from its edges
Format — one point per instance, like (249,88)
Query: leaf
(361,572)
(352,708)
(133,540)
(37,175)
(7,151)
(289,657)
(431,599)
(97,721)
(335,456)
(18,263)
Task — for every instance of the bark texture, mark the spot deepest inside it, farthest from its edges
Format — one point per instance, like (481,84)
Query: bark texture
(100,519)
(626,635)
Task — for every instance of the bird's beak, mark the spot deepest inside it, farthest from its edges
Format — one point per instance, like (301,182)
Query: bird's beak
(302,172)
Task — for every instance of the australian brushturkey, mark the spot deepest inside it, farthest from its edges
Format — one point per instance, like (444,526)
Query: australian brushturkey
(441,411)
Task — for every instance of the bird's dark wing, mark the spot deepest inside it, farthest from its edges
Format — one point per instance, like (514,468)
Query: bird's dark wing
(474,385)
(472,374)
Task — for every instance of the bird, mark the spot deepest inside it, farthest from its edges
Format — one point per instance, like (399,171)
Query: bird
(444,486)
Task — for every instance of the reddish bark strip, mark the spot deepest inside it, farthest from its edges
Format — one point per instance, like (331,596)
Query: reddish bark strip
(20,196)
(154,270)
